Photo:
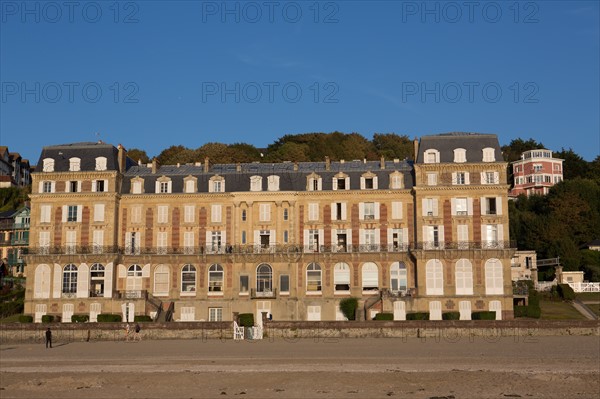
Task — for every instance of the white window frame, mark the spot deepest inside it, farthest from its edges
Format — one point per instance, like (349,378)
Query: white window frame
(313,211)
(189,213)
(460,155)
(489,155)
(99,212)
(494,279)
(101,163)
(463,276)
(431,156)
(264,212)
(256,183)
(162,214)
(216,211)
(273,183)
(434,277)
(74,164)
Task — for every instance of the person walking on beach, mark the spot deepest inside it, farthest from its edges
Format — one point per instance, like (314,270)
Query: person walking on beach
(127,332)
(137,335)
(48,338)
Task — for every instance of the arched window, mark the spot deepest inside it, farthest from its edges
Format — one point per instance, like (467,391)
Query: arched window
(264,278)
(97,280)
(134,278)
(215,278)
(341,277)
(161,280)
(313,277)
(434,277)
(74,164)
(398,277)
(100,163)
(256,183)
(493,277)
(42,282)
(188,278)
(431,156)
(69,285)
(463,272)
(273,183)
(489,155)
(460,155)
(370,277)
(48,165)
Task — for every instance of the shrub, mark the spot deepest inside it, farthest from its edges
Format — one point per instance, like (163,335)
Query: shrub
(451,316)
(384,316)
(109,318)
(534,312)
(534,298)
(80,318)
(348,307)
(25,318)
(47,318)
(417,316)
(521,311)
(483,316)
(566,292)
(142,318)
(246,319)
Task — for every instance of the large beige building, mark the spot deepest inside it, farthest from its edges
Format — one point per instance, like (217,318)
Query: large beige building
(202,241)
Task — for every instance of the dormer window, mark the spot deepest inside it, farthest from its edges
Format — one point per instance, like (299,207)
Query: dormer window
(314,182)
(189,184)
(273,183)
(489,155)
(460,155)
(341,182)
(216,184)
(396,180)
(48,165)
(100,163)
(137,185)
(368,181)
(431,156)
(74,164)
(163,185)
(256,183)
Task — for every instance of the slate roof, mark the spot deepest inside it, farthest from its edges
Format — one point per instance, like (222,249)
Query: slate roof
(473,143)
(87,152)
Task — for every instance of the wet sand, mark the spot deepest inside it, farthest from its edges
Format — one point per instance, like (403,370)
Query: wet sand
(508,367)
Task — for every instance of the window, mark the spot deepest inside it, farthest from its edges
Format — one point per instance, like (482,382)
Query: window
(265,238)
(217,186)
(340,183)
(285,237)
(164,187)
(461,178)
(462,206)
(72,213)
(462,232)
(190,186)
(537,168)
(460,155)
(434,277)
(188,213)
(243,215)
(161,280)
(490,178)
(314,182)
(313,277)
(490,235)
(432,236)
(73,186)
(163,214)
(273,183)
(493,277)
(132,243)
(397,240)
(100,163)
(136,187)
(490,206)
(313,240)
(215,242)
(313,212)
(243,236)
(369,241)
(264,278)
(161,242)
(98,212)
(431,179)
(286,214)
(45,211)
(463,272)
(489,155)
(341,277)
(136,214)
(370,277)
(265,212)
(369,183)
(396,181)
(48,165)
(398,277)
(244,286)
(256,183)
(339,211)
(100,186)
(97,280)
(47,187)
(69,283)
(188,242)
(284,283)
(215,213)
(215,278)
(215,314)
(74,164)
(430,206)
(432,156)
(134,278)
(369,210)
(313,313)
(44,241)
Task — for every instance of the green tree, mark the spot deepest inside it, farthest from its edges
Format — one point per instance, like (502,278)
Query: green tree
(512,151)
(391,145)
(138,155)
(574,165)
(176,154)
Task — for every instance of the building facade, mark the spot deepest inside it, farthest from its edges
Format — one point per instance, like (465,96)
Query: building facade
(291,239)
(14,170)
(536,172)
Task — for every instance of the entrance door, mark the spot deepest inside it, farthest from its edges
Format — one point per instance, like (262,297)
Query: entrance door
(261,306)
(399,310)
(128,311)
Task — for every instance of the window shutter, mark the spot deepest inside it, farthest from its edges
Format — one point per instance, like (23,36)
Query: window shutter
(361,210)
(333,211)
(396,210)
(470,206)
(347,183)
(496,178)
(499,205)
(98,212)
(256,237)
(424,209)
(435,207)
(454,178)
(305,238)
(375,183)
(334,183)
(362,183)
(83,280)
(344,217)
(483,206)
(482,177)
(467,179)
(79,213)
(376,206)
(405,236)
(93,186)
(41,187)
(500,232)
(65,210)
(157,187)
(453,206)
(56,289)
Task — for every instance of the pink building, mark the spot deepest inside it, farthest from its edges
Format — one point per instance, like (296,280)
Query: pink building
(536,172)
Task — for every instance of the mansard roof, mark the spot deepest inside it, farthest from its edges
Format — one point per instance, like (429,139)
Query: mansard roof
(87,152)
(446,143)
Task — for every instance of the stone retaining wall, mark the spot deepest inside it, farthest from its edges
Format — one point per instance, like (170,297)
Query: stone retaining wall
(438,330)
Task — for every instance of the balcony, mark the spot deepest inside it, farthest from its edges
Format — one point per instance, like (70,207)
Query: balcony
(453,245)
(264,293)
(72,250)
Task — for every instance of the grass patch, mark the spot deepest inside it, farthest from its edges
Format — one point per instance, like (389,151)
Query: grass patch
(594,307)
(10,319)
(559,310)
(588,296)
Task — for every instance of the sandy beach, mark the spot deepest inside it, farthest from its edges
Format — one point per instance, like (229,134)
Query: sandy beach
(508,367)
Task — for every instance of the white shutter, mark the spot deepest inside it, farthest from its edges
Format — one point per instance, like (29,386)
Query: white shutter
(56,289)
(462,232)
(389,236)
(272,240)
(98,238)
(499,205)
(405,236)
(45,213)
(189,186)
(441,237)
(188,239)
(319,184)
(157,187)
(333,211)
(362,183)
(344,211)
(454,178)
(396,210)
(375,183)
(93,186)
(83,281)
(347,184)
(122,273)
(424,207)
(41,187)
(98,212)
(467,178)
(215,213)
(453,206)
(334,184)
(188,213)
(79,213)
(470,206)
(256,237)
(496,178)
(435,207)
(361,210)
(208,240)
(376,206)
(483,205)
(108,280)
(306,238)
(65,210)
(500,233)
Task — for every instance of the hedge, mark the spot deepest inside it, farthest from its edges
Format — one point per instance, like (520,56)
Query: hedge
(566,292)
(25,318)
(348,307)
(142,318)
(483,316)
(47,318)
(109,318)
(246,319)
(451,316)
(521,311)
(80,318)
(384,316)
(417,316)
(534,312)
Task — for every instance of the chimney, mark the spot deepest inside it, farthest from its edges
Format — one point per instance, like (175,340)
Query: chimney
(295,166)
(121,158)
(416,148)
(327,163)
(206,165)
(155,165)
(342,161)
(178,164)
(238,167)
(382,163)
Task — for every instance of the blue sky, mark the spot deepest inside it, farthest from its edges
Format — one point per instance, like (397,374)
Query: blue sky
(151,74)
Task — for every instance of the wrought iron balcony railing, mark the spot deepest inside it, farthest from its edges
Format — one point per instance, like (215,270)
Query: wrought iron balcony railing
(438,245)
